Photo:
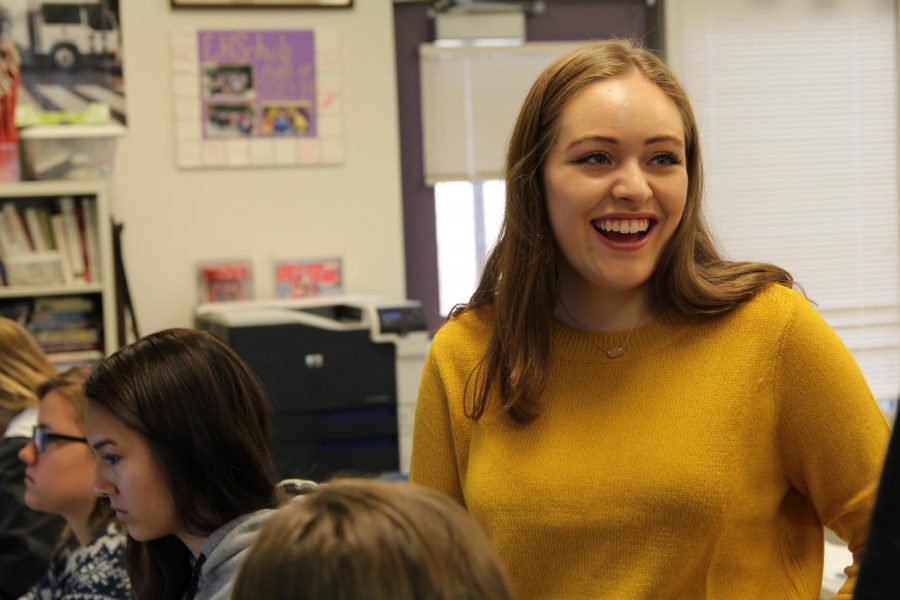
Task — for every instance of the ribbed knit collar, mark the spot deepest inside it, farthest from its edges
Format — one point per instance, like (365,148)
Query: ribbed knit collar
(573,344)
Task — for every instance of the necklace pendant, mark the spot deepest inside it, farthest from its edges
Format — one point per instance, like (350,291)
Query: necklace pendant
(615,352)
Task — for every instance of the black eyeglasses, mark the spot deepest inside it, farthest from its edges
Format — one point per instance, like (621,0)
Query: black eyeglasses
(43,436)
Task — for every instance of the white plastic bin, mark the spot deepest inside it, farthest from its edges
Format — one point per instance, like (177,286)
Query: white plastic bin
(69,151)
(41,268)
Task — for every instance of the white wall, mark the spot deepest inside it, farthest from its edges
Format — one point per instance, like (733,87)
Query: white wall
(174,218)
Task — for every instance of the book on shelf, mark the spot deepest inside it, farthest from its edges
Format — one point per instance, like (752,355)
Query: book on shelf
(44,222)
(69,329)
(35,232)
(91,239)
(59,233)
(74,243)
(78,358)
(64,304)
(64,324)
(54,244)
(68,337)
(14,230)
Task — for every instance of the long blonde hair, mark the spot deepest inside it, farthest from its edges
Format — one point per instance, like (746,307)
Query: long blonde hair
(518,288)
(23,365)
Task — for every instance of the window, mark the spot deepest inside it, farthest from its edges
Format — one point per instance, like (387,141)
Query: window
(61,14)
(798,124)
(468,217)
(470,99)
(100,18)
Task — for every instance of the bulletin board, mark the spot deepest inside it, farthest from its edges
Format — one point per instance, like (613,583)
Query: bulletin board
(256,98)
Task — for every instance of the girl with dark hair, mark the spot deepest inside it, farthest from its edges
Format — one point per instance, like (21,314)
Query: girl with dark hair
(181,430)
(626,412)
(357,539)
(89,561)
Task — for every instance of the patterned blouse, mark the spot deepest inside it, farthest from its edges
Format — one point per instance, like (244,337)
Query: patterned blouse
(92,572)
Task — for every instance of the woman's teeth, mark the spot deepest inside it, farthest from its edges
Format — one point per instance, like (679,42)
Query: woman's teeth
(623,225)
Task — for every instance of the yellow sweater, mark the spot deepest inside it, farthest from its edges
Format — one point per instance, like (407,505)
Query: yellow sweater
(701,464)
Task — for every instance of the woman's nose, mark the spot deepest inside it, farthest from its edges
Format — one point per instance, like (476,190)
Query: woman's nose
(631,184)
(28,453)
(102,486)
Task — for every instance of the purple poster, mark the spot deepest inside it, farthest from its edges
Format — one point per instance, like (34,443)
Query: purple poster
(257,84)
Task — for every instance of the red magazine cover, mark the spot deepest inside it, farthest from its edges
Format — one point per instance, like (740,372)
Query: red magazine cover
(301,278)
(224,280)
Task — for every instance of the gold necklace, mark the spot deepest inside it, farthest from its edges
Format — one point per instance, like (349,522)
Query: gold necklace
(615,351)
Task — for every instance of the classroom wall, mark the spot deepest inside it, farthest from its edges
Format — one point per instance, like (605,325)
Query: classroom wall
(174,218)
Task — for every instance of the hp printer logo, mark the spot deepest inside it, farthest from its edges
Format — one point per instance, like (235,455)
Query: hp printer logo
(314,361)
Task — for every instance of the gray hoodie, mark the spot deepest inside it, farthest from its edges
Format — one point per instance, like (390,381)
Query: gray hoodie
(227,546)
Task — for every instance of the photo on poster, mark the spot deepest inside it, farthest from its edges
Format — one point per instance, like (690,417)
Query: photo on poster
(271,71)
(229,120)
(285,119)
(225,280)
(303,278)
(229,81)
(71,60)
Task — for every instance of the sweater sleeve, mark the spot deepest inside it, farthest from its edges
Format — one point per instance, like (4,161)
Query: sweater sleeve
(433,463)
(832,435)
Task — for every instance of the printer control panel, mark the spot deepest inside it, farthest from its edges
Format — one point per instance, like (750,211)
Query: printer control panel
(401,319)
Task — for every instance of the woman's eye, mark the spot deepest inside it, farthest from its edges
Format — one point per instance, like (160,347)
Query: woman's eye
(110,459)
(665,159)
(595,158)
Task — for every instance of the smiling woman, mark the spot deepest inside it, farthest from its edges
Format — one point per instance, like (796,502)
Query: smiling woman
(616,185)
(621,407)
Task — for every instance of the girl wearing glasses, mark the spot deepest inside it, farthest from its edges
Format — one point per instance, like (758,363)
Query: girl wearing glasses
(181,431)
(27,537)
(59,477)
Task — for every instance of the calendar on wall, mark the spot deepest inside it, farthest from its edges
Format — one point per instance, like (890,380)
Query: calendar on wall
(256,98)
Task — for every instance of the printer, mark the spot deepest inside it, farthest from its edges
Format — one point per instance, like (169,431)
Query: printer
(341,373)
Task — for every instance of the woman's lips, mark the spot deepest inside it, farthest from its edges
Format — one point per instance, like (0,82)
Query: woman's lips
(636,241)
(625,232)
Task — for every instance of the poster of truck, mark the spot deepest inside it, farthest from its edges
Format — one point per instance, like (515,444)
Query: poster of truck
(71,58)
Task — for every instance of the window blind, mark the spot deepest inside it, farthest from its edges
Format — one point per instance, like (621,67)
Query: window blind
(797,108)
(470,100)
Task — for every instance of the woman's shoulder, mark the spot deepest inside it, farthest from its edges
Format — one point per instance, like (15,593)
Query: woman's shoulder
(774,303)
(107,545)
(98,569)
(764,316)
(466,334)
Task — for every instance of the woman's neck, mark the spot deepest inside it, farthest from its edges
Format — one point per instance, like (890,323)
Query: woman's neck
(591,310)
(81,529)
(193,542)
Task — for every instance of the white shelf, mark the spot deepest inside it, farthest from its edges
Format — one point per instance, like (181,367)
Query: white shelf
(31,189)
(105,289)
(22,291)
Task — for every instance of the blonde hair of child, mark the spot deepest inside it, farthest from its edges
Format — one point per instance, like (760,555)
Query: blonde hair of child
(23,365)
